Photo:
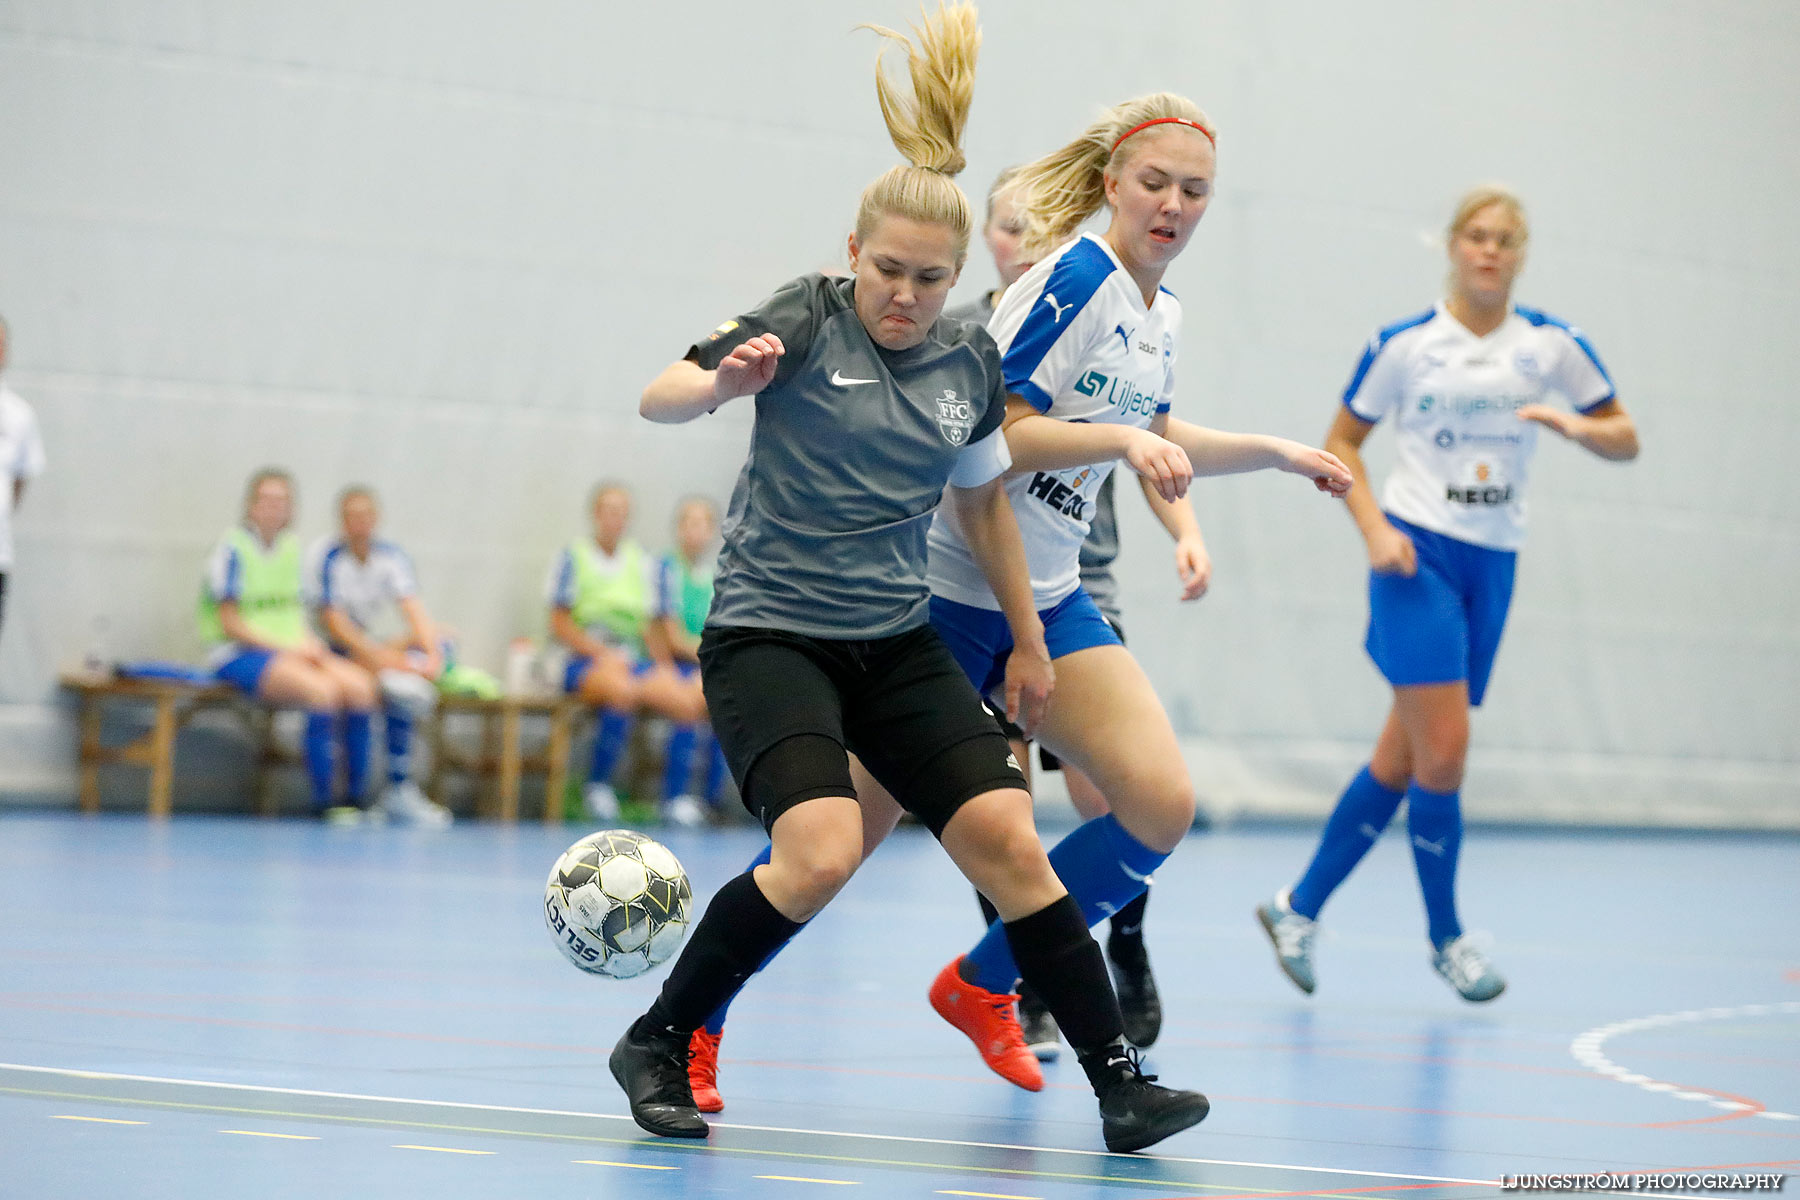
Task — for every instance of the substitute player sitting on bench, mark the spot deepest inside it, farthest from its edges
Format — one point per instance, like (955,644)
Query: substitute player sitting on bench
(365,598)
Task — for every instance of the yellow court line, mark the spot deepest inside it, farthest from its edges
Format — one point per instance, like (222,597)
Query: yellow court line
(286,1137)
(804,1179)
(600,1162)
(988,1195)
(444,1150)
(96,1120)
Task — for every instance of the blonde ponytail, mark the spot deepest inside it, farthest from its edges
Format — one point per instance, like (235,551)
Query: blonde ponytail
(1058,192)
(927,126)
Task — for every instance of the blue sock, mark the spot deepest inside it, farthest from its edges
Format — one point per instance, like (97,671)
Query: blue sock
(1435,821)
(321,763)
(399,743)
(1104,868)
(678,761)
(610,736)
(715,1024)
(1362,812)
(358,728)
(717,771)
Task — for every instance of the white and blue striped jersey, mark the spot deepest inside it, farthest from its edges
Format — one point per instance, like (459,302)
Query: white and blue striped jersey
(1462,454)
(367,591)
(1078,343)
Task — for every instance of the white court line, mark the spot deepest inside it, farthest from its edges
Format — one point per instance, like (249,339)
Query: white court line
(1587,1052)
(829,1133)
(70,1073)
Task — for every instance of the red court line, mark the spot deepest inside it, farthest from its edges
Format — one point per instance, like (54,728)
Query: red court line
(1756,1106)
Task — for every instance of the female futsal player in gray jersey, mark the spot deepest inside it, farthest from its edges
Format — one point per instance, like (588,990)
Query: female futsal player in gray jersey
(817,644)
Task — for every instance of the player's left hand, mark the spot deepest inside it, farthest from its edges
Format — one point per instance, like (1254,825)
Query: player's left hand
(1326,470)
(1554,419)
(1030,678)
(1194,566)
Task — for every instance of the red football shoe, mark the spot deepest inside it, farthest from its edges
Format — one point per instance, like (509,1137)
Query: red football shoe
(991,1021)
(703,1070)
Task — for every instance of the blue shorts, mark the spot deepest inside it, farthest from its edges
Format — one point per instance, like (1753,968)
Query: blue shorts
(244,670)
(1442,625)
(980,638)
(577,670)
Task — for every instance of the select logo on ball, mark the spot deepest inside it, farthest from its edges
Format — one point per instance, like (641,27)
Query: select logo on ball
(617,903)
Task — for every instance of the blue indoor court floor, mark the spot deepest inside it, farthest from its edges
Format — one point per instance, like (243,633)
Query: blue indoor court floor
(220,1008)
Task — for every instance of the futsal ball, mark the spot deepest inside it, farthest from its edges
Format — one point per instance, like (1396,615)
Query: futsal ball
(617,903)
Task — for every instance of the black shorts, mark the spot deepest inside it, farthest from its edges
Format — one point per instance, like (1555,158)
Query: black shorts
(785,707)
(1046,760)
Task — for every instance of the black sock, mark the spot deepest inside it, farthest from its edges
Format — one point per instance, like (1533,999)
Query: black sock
(1061,961)
(738,932)
(1027,997)
(1125,944)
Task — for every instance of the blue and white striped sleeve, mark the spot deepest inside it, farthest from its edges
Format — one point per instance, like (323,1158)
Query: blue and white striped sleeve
(1375,385)
(1046,335)
(1578,373)
(560,587)
(224,573)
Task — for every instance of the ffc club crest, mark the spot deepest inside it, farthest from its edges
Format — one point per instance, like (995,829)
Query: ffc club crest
(955,418)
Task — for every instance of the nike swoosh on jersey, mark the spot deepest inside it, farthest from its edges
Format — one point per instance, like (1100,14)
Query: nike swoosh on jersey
(843,380)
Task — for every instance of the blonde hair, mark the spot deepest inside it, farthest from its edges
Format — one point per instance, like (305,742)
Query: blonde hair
(1478,198)
(1003,182)
(1066,187)
(927,126)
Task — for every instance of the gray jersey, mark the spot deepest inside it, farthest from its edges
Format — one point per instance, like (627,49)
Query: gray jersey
(1098,550)
(979,310)
(849,455)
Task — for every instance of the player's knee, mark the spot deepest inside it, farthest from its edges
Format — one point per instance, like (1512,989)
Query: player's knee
(1000,833)
(1438,762)
(313,690)
(1439,774)
(358,692)
(1160,809)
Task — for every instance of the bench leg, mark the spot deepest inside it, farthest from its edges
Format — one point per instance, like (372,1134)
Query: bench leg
(510,721)
(90,754)
(556,768)
(162,758)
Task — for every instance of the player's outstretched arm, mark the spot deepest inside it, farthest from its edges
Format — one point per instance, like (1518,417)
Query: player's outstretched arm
(1041,443)
(1214,452)
(992,532)
(1606,430)
(686,390)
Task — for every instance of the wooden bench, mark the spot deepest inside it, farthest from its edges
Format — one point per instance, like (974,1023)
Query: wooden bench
(500,755)
(173,703)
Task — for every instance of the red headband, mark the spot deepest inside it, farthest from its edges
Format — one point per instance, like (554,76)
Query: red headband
(1163,121)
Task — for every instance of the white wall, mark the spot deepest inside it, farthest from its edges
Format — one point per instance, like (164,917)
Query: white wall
(441,246)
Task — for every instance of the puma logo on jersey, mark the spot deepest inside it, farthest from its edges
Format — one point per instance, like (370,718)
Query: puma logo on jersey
(843,380)
(1124,336)
(1058,309)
